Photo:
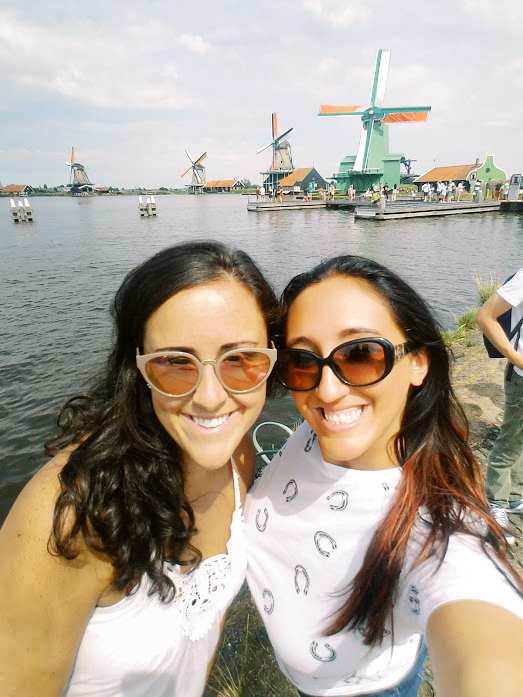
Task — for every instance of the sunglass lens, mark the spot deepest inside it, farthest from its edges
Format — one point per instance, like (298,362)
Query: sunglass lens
(244,370)
(361,363)
(174,375)
(298,370)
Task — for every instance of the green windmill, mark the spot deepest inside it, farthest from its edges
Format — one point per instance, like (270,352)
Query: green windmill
(373,163)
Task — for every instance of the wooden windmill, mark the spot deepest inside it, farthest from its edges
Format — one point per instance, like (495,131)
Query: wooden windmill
(78,180)
(78,174)
(281,156)
(373,163)
(198,174)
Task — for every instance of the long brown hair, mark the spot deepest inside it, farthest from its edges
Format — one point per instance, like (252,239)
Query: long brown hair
(441,478)
(123,486)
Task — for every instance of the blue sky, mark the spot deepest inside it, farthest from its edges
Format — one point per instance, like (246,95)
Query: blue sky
(131,84)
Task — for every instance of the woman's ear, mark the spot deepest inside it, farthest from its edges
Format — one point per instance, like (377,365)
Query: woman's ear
(420,366)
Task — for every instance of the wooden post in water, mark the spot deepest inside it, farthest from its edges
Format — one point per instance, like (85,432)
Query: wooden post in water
(148,207)
(22,212)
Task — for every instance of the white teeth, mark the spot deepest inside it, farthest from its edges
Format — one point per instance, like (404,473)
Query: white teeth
(341,417)
(210,423)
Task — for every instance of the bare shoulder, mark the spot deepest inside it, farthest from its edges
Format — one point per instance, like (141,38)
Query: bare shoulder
(25,534)
(45,600)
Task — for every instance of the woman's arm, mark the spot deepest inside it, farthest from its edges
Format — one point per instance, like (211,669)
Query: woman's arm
(45,600)
(476,650)
(487,317)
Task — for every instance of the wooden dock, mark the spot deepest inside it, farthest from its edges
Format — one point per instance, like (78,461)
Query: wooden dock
(285,205)
(511,206)
(400,210)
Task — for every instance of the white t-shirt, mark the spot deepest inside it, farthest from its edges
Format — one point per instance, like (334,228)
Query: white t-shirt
(308,525)
(512,292)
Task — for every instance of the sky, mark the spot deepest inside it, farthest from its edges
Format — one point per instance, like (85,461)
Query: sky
(131,85)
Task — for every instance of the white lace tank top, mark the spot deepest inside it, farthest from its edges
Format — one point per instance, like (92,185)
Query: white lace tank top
(141,647)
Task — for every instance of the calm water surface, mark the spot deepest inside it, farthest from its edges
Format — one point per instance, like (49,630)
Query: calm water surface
(58,275)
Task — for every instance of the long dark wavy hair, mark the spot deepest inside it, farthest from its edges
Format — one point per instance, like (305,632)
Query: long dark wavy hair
(440,474)
(123,485)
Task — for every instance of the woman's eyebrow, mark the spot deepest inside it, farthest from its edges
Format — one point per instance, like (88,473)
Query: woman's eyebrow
(224,347)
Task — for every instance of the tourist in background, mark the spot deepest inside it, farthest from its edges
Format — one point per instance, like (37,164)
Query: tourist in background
(122,554)
(369,533)
(505,461)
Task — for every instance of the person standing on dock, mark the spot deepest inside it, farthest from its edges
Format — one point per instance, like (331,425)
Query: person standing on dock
(505,462)
(426,191)
(459,191)
(488,190)
(350,192)
(477,191)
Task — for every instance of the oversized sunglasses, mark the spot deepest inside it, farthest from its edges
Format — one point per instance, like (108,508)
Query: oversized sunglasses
(178,374)
(359,363)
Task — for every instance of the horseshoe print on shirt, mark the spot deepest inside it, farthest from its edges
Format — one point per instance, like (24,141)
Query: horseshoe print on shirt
(318,536)
(331,655)
(261,526)
(343,501)
(291,484)
(268,597)
(414,600)
(300,571)
(310,442)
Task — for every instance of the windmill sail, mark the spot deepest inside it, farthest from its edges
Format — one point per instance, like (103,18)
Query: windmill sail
(376,115)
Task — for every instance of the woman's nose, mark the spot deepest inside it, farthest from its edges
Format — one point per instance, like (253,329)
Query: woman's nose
(210,393)
(331,387)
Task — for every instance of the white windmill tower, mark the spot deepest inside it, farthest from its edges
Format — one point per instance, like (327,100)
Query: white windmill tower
(198,174)
(373,160)
(281,156)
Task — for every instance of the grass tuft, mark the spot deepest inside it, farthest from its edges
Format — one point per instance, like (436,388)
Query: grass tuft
(466,324)
(486,287)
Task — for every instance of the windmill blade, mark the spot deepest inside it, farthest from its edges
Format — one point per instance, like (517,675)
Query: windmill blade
(405,116)
(274,126)
(264,148)
(202,157)
(329,110)
(363,148)
(277,140)
(191,158)
(197,175)
(380,78)
(184,173)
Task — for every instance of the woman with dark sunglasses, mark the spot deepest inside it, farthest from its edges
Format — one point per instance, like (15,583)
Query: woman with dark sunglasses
(369,534)
(121,556)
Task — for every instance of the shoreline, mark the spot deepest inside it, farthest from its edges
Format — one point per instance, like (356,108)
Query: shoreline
(245,664)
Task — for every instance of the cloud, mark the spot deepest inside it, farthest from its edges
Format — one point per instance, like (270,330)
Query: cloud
(195,43)
(508,14)
(338,14)
(89,63)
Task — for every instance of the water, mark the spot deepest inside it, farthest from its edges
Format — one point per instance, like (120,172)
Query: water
(58,275)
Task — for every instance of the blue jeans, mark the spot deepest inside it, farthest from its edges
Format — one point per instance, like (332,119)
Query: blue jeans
(408,687)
